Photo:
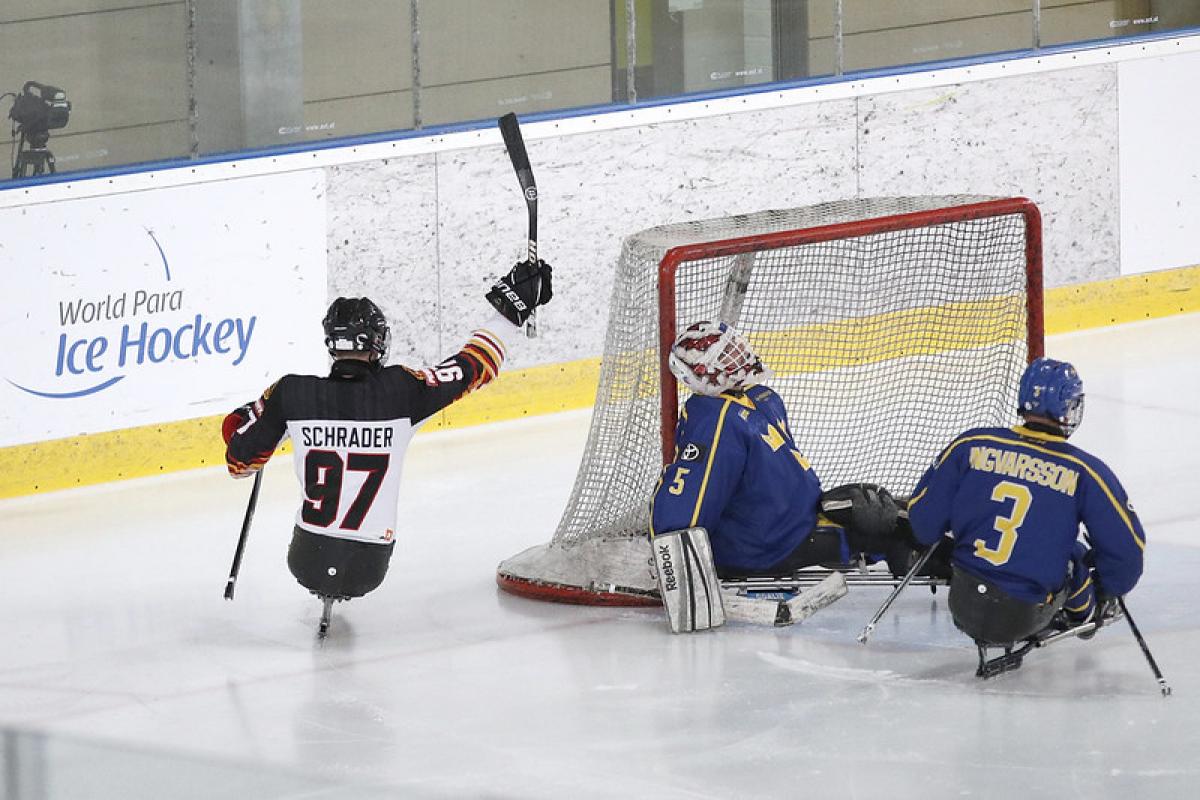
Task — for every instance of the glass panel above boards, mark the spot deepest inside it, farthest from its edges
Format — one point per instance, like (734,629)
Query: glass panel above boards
(684,47)
(109,84)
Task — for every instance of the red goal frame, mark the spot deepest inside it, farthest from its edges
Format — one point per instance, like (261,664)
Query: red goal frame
(667,329)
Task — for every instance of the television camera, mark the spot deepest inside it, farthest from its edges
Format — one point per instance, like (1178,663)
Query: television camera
(37,110)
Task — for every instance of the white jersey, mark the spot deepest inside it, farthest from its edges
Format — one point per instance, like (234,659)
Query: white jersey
(350,472)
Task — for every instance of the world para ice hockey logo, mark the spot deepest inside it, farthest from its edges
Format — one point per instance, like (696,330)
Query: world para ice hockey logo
(96,339)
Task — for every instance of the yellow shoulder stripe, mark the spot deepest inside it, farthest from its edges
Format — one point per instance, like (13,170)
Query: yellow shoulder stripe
(1021,430)
(741,400)
(1081,589)
(654,498)
(912,502)
(712,454)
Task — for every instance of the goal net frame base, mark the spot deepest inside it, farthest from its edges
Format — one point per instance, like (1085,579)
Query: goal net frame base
(612,565)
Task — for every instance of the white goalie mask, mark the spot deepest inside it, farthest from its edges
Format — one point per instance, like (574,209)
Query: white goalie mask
(711,358)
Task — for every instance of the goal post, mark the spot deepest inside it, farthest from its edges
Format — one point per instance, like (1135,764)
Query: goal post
(892,324)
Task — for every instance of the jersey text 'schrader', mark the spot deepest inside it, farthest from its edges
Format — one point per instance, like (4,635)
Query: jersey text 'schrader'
(375,438)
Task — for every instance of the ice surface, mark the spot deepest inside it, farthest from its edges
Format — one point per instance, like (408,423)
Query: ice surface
(138,679)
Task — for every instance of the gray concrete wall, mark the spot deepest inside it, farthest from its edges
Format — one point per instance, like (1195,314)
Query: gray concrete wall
(423,235)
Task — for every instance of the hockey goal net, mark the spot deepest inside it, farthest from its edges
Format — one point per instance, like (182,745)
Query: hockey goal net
(892,324)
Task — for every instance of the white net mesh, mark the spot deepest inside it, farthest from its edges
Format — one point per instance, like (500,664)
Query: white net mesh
(884,345)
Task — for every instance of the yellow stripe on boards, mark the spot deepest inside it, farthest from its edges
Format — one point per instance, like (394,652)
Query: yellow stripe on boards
(110,456)
(1129,299)
(856,341)
(859,341)
(188,444)
(524,393)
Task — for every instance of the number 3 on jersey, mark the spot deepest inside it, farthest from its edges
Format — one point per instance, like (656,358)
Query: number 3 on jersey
(1007,526)
(323,476)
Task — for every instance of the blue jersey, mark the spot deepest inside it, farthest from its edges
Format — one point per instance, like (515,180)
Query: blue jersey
(1014,499)
(738,473)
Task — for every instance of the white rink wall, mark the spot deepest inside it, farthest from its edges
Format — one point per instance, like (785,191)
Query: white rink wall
(461,210)
(1057,136)
(1097,138)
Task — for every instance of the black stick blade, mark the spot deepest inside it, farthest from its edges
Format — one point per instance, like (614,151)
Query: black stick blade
(510,129)
(514,142)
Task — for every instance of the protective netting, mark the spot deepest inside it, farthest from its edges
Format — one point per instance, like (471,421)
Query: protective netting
(885,344)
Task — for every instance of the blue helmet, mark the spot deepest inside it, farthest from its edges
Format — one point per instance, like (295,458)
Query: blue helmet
(1052,389)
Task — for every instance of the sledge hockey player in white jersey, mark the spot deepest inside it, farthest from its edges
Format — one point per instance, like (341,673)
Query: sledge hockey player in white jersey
(739,498)
(1013,500)
(350,431)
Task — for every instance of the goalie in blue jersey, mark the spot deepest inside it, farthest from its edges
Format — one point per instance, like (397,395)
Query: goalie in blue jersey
(1013,499)
(739,475)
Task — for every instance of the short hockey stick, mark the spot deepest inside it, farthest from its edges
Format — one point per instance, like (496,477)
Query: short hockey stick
(510,129)
(1137,635)
(907,579)
(241,545)
(1158,676)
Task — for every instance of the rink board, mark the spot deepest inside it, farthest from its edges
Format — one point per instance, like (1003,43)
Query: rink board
(188,444)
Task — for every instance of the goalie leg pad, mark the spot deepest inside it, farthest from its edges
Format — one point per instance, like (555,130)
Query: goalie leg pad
(812,600)
(754,610)
(687,580)
(764,611)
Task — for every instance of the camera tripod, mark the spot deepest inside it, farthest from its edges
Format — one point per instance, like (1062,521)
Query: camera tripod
(35,159)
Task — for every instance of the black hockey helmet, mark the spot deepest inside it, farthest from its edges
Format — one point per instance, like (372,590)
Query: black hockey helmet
(356,324)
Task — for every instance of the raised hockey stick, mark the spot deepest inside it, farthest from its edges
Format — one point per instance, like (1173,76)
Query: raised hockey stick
(241,545)
(510,129)
(907,579)
(1158,676)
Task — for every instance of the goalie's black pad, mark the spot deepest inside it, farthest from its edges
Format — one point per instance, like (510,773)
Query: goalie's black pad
(868,513)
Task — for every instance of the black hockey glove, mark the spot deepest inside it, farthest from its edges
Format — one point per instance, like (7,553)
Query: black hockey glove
(867,512)
(525,287)
(1107,609)
(939,564)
